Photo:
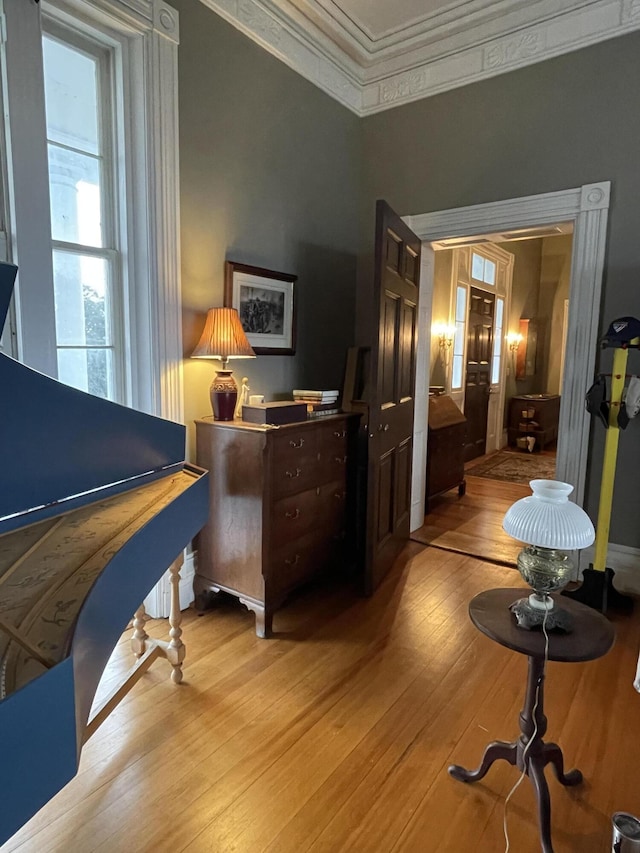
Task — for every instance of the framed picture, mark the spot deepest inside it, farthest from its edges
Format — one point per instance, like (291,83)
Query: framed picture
(265,301)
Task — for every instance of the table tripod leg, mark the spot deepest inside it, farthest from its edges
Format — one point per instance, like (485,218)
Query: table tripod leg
(498,749)
(536,774)
(552,754)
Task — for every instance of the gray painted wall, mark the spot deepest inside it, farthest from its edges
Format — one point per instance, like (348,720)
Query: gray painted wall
(270,176)
(559,124)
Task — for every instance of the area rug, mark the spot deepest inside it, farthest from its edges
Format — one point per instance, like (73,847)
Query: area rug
(514,466)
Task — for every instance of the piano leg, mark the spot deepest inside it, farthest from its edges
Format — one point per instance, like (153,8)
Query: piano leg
(176,649)
(140,636)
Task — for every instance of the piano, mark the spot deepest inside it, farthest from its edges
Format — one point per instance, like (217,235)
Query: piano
(96,502)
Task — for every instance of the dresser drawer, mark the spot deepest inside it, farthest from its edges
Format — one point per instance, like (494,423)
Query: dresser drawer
(294,516)
(294,465)
(298,560)
(332,508)
(334,451)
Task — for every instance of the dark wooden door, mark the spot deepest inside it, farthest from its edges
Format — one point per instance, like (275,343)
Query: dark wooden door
(393,357)
(478,370)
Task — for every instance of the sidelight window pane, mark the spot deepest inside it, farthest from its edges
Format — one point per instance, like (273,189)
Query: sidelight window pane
(459,338)
(497,341)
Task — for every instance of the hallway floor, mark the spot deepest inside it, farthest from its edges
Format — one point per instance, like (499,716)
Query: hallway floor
(472,524)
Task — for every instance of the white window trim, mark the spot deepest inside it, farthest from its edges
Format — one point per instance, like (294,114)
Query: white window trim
(151,33)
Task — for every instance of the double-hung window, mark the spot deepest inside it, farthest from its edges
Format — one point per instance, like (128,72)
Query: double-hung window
(87,269)
(89,160)
(90,90)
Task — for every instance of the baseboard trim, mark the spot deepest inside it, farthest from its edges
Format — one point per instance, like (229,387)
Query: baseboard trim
(624,561)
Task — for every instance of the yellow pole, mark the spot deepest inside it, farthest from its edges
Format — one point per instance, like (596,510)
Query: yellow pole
(620,356)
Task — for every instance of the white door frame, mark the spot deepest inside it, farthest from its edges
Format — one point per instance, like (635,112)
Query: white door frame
(587,207)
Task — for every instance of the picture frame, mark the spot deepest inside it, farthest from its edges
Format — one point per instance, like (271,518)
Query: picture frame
(266,303)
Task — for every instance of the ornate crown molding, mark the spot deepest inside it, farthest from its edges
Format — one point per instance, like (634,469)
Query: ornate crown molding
(437,54)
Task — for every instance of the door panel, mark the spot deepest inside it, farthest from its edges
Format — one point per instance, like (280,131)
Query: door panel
(407,351)
(389,322)
(390,437)
(478,372)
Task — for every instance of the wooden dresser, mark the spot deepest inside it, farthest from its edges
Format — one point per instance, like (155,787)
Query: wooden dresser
(281,508)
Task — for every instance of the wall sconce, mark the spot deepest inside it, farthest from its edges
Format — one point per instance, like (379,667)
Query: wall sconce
(445,335)
(514,339)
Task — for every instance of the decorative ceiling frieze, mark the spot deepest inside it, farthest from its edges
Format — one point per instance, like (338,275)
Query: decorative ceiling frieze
(369,66)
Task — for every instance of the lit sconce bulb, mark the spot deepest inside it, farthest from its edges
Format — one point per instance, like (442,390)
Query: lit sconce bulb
(514,339)
(445,335)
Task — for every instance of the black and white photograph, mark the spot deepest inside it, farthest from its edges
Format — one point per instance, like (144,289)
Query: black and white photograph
(265,301)
(261,310)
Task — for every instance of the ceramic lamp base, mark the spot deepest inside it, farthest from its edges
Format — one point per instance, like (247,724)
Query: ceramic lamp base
(224,395)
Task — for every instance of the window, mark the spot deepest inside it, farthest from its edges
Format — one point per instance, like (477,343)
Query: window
(81,124)
(498,334)
(92,179)
(457,367)
(483,269)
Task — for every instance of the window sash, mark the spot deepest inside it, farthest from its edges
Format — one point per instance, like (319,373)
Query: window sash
(116,383)
(146,45)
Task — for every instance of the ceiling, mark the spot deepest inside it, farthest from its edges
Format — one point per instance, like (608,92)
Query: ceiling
(375,54)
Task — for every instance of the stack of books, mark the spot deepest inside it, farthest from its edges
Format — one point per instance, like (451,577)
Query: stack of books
(318,402)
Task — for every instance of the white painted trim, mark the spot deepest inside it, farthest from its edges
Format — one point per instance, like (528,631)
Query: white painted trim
(421,393)
(587,207)
(624,561)
(29,225)
(435,55)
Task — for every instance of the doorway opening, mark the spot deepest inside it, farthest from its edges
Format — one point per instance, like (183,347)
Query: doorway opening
(582,210)
(503,369)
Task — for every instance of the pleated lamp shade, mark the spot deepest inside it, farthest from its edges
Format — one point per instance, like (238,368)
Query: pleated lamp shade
(223,337)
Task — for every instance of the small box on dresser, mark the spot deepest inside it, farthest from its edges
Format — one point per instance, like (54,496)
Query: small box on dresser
(281,508)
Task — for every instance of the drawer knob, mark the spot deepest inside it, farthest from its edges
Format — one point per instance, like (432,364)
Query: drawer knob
(341,460)
(294,514)
(339,495)
(294,561)
(340,433)
(296,444)
(293,474)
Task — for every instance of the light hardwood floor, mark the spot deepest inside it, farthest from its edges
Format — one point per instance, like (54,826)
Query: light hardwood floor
(472,524)
(336,734)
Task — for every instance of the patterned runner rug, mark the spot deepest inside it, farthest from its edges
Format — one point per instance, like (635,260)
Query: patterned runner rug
(514,466)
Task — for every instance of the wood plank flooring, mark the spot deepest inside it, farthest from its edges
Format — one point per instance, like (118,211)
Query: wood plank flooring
(472,524)
(336,734)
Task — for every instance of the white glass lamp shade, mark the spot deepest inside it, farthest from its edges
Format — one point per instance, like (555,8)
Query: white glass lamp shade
(550,525)
(548,519)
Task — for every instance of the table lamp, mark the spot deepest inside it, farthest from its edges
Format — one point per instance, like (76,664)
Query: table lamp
(550,524)
(223,337)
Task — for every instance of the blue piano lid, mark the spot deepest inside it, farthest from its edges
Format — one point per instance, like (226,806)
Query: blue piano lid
(57,442)
(7,278)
